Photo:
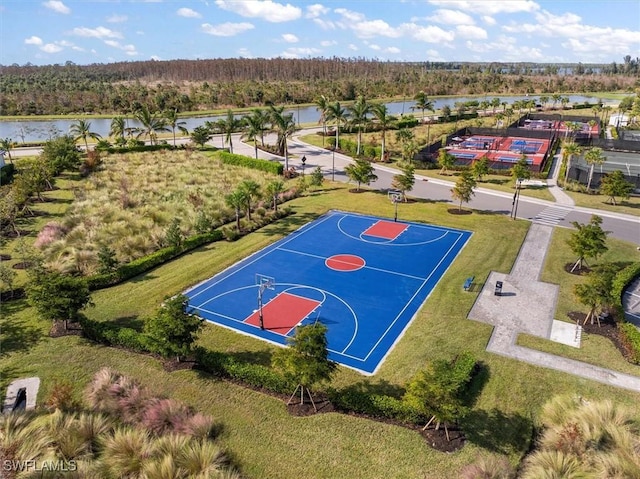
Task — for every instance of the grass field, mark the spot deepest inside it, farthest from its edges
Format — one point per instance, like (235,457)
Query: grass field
(261,436)
(630,206)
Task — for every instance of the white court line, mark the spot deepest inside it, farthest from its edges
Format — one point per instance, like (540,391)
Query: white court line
(390,242)
(219,314)
(396,273)
(290,237)
(412,298)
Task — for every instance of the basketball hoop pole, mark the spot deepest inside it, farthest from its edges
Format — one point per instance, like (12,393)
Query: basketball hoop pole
(261,289)
(395,216)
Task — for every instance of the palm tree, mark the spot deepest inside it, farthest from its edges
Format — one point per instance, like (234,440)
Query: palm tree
(173,121)
(151,123)
(381,113)
(338,115)
(255,126)
(81,129)
(229,125)
(556,97)
(7,144)
(118,129)
(358,113)
(252,191)
(273,191)
(284,126)
(322,104)
(569,149)
(423,103)
(237,200)
(593,157)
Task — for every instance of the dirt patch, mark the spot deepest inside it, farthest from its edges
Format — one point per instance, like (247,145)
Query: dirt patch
(322,405)
(437,438)
(355,190)
(608,328)
(456,211)
(58,330)
(5,257)
(171,365)
(22,265)
(578,271)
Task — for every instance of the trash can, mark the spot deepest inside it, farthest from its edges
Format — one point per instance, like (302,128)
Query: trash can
(498,291)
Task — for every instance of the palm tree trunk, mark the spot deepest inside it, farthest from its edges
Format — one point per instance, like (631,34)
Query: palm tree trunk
(590,177)
(255,146)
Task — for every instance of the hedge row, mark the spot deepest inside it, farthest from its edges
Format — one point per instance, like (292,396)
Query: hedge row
(274,167)
(630,334)
(631,337)
(622,280)
(6,174)
(351,147)
(375,405)
(141,265)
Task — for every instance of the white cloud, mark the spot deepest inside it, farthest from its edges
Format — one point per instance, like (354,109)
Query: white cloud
(375,47)
(57,6)
(429,34)
(353,47)
(506,48)
(451,17)
(489,7)
(156,58)
(471,31)
(290,38)
(394,50)
(188,13)
(374,28)
(328,43)
(33,40)
(489,20)
(128,49)
(244,53)
(267,10)
(98,32)
(314,11)
(296,52)
(324,24)
(51,48)
(115,18)
(349,15)
(226,29)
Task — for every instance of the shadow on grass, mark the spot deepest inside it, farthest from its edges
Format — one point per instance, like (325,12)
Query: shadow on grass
(17,333)
(479,380)
(496,181)
(132,322)
(262,357)
(498,432)
(144,276)
(411,199)
(381,387)
(284,226)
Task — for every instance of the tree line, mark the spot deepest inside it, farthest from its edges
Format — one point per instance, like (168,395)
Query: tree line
(191,85)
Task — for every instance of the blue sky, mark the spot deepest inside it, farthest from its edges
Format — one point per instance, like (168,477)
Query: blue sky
(56,31)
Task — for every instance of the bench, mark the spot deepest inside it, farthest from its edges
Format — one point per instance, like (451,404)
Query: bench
(468,282)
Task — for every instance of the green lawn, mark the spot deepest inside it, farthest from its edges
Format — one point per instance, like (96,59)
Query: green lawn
(600,202)
(261,436)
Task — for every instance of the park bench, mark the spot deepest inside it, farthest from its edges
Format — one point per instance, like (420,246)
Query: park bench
(468,282)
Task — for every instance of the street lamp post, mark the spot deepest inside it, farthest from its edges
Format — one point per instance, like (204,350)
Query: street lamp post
(516,199)
(333,163)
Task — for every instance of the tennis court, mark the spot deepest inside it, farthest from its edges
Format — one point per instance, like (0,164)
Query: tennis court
(364,277)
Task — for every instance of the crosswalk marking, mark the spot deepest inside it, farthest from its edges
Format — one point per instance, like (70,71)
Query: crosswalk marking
(551,215)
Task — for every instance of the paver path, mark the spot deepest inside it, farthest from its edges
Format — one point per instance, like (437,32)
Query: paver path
(528,305)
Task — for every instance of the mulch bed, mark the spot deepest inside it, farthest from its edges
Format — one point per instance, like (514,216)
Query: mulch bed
(456,211)
(608,328)
(5,257)
(323,405)
(437,439)
(18,293)
(22,265)
(171,365)
(58,330)
(578,271)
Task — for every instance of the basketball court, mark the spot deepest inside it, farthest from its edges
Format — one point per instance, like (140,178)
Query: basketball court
(364,277)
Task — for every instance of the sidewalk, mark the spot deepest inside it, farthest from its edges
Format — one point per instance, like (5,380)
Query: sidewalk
(528,305)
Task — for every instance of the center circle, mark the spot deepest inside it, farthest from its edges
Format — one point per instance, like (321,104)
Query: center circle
(344,262)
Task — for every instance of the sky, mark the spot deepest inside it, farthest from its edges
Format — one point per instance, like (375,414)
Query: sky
(86,31)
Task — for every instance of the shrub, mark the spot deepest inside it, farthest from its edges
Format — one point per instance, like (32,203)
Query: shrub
(374,405)
(631,337)
(6,173)
(622,280)
(248,162)
(61,397)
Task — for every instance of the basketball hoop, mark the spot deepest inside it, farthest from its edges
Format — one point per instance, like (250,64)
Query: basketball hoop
(263,282)
(396,197)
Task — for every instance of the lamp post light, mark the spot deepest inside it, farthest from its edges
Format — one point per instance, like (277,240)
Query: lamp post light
(303,160)
(333,163)
(516,199)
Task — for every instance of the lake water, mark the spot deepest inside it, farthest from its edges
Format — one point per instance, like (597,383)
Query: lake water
(40,130)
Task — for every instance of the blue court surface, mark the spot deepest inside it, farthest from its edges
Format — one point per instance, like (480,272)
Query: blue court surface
(364,277)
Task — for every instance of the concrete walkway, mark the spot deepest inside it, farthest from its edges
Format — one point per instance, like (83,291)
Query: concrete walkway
(528,305)
(552,183)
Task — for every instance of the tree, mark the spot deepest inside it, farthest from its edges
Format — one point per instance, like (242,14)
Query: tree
(61,154)
(172,330)
(274,189)
(361,172)
(358,114)
(589,240)
(173,122)
(255,127)
(10,204)
(151,124)
(409,150)
(7,144)
(57,296)
(596,293)
(404,181)
(569,149)
(520,170)
(445,160)
(252,191)
(7,275)
(200,135)
(437,391)
(230,125)
(317,177)
(593,157)
(81,129)
(423,103)
(322,104)
(339,116)
(237,200)
(306,360)
(463,189)
(284,126)
(381,113)
(614,184)
(480,168)
(117,129)
(174,236)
